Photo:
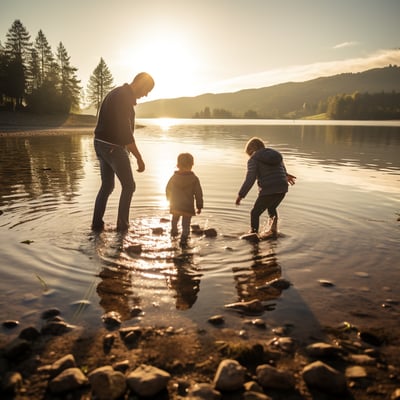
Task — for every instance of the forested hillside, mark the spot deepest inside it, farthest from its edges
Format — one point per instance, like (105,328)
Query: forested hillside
(288,100)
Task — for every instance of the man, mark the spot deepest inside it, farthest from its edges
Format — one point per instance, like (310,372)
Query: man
(113,142)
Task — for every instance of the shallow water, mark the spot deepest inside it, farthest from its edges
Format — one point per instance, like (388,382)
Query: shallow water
(338,223)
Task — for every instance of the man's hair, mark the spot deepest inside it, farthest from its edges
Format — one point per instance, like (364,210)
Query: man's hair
(253,145)
(144,80)
(185,160)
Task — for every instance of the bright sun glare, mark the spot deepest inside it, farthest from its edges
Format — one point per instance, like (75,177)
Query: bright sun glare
(168,58)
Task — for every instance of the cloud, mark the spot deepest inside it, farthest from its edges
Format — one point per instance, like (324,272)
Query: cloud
(301,73)
(345,44)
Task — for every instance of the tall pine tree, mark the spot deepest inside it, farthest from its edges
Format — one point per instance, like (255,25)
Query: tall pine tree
(100,83)
(69,83)
(17,49)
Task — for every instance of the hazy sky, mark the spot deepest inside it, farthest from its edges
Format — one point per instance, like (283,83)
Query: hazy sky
(193,47)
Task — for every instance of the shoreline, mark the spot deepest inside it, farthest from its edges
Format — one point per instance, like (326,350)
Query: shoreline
(25,124)
(357,365)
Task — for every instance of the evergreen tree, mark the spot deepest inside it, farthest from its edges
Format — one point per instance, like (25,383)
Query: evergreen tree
(17,49)
(45,57)
(100,83)
(70,89)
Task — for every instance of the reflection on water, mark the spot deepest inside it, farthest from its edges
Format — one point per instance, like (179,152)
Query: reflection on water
(339,222)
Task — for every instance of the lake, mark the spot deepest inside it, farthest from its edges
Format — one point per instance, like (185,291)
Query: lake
(338,242)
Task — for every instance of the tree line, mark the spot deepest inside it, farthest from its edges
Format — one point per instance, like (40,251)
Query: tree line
(364,106)
(36,79)
(357,106)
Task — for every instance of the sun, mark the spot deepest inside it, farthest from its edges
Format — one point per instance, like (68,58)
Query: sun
(170,58)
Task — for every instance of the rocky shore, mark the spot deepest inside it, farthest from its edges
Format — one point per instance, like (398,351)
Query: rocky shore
(62,361)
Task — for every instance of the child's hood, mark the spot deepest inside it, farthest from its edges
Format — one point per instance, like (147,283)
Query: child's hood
(183,179)
(268,156)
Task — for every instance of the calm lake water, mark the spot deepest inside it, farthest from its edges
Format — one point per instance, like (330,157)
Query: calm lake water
(338,223)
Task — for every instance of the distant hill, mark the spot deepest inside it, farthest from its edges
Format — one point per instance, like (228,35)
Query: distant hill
(278,101)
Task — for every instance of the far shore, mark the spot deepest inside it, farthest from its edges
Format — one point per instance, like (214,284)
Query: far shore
(26,124)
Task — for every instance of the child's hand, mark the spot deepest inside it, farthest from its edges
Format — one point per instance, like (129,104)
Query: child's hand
(198,211)
(238,200)
(291,179)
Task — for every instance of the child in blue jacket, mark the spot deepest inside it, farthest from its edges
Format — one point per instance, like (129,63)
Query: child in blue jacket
(266,166)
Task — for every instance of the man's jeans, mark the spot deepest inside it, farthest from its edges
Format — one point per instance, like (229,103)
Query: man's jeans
(114,160)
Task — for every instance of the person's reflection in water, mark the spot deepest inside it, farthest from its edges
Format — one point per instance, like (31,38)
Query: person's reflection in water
(186,282)
(250,279)
(115,287)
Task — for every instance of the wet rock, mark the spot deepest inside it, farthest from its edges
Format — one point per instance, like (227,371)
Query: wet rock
(230,376)
(56,328)
(252,307)
(81,304)
(134,249)
(259,323)
(325,283)
(355,372)
(278,284)
(112,319)
(216,320)
(131,335)
(108,342)
(52,312)
(62,364)
(271,378)
(395,395)
(17,349)
(322,350)
(203,391)
(362,359)
(251,237)
(286,344)
(210,232)
(107,384)
(136,311)
(255,396)
(323,377)
(68,380)
(147,380)
(30,333)
(12,382)
(121,366)
(253,386)
(196,229)
(370,338)
(9,324)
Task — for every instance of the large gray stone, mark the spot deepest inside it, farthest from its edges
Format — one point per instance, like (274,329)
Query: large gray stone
(147,380)
(230,376)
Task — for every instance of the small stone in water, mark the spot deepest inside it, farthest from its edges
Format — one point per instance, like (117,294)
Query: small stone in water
(10,324)
(325,283)
(216,320)
(50,313)
(135,249)
(362,274)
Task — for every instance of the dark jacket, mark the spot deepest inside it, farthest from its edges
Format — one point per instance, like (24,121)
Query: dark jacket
(266,166)
(182,190)
(116,119)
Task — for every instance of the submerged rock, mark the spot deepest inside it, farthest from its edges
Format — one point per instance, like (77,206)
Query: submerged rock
(252,307)
(278,284)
